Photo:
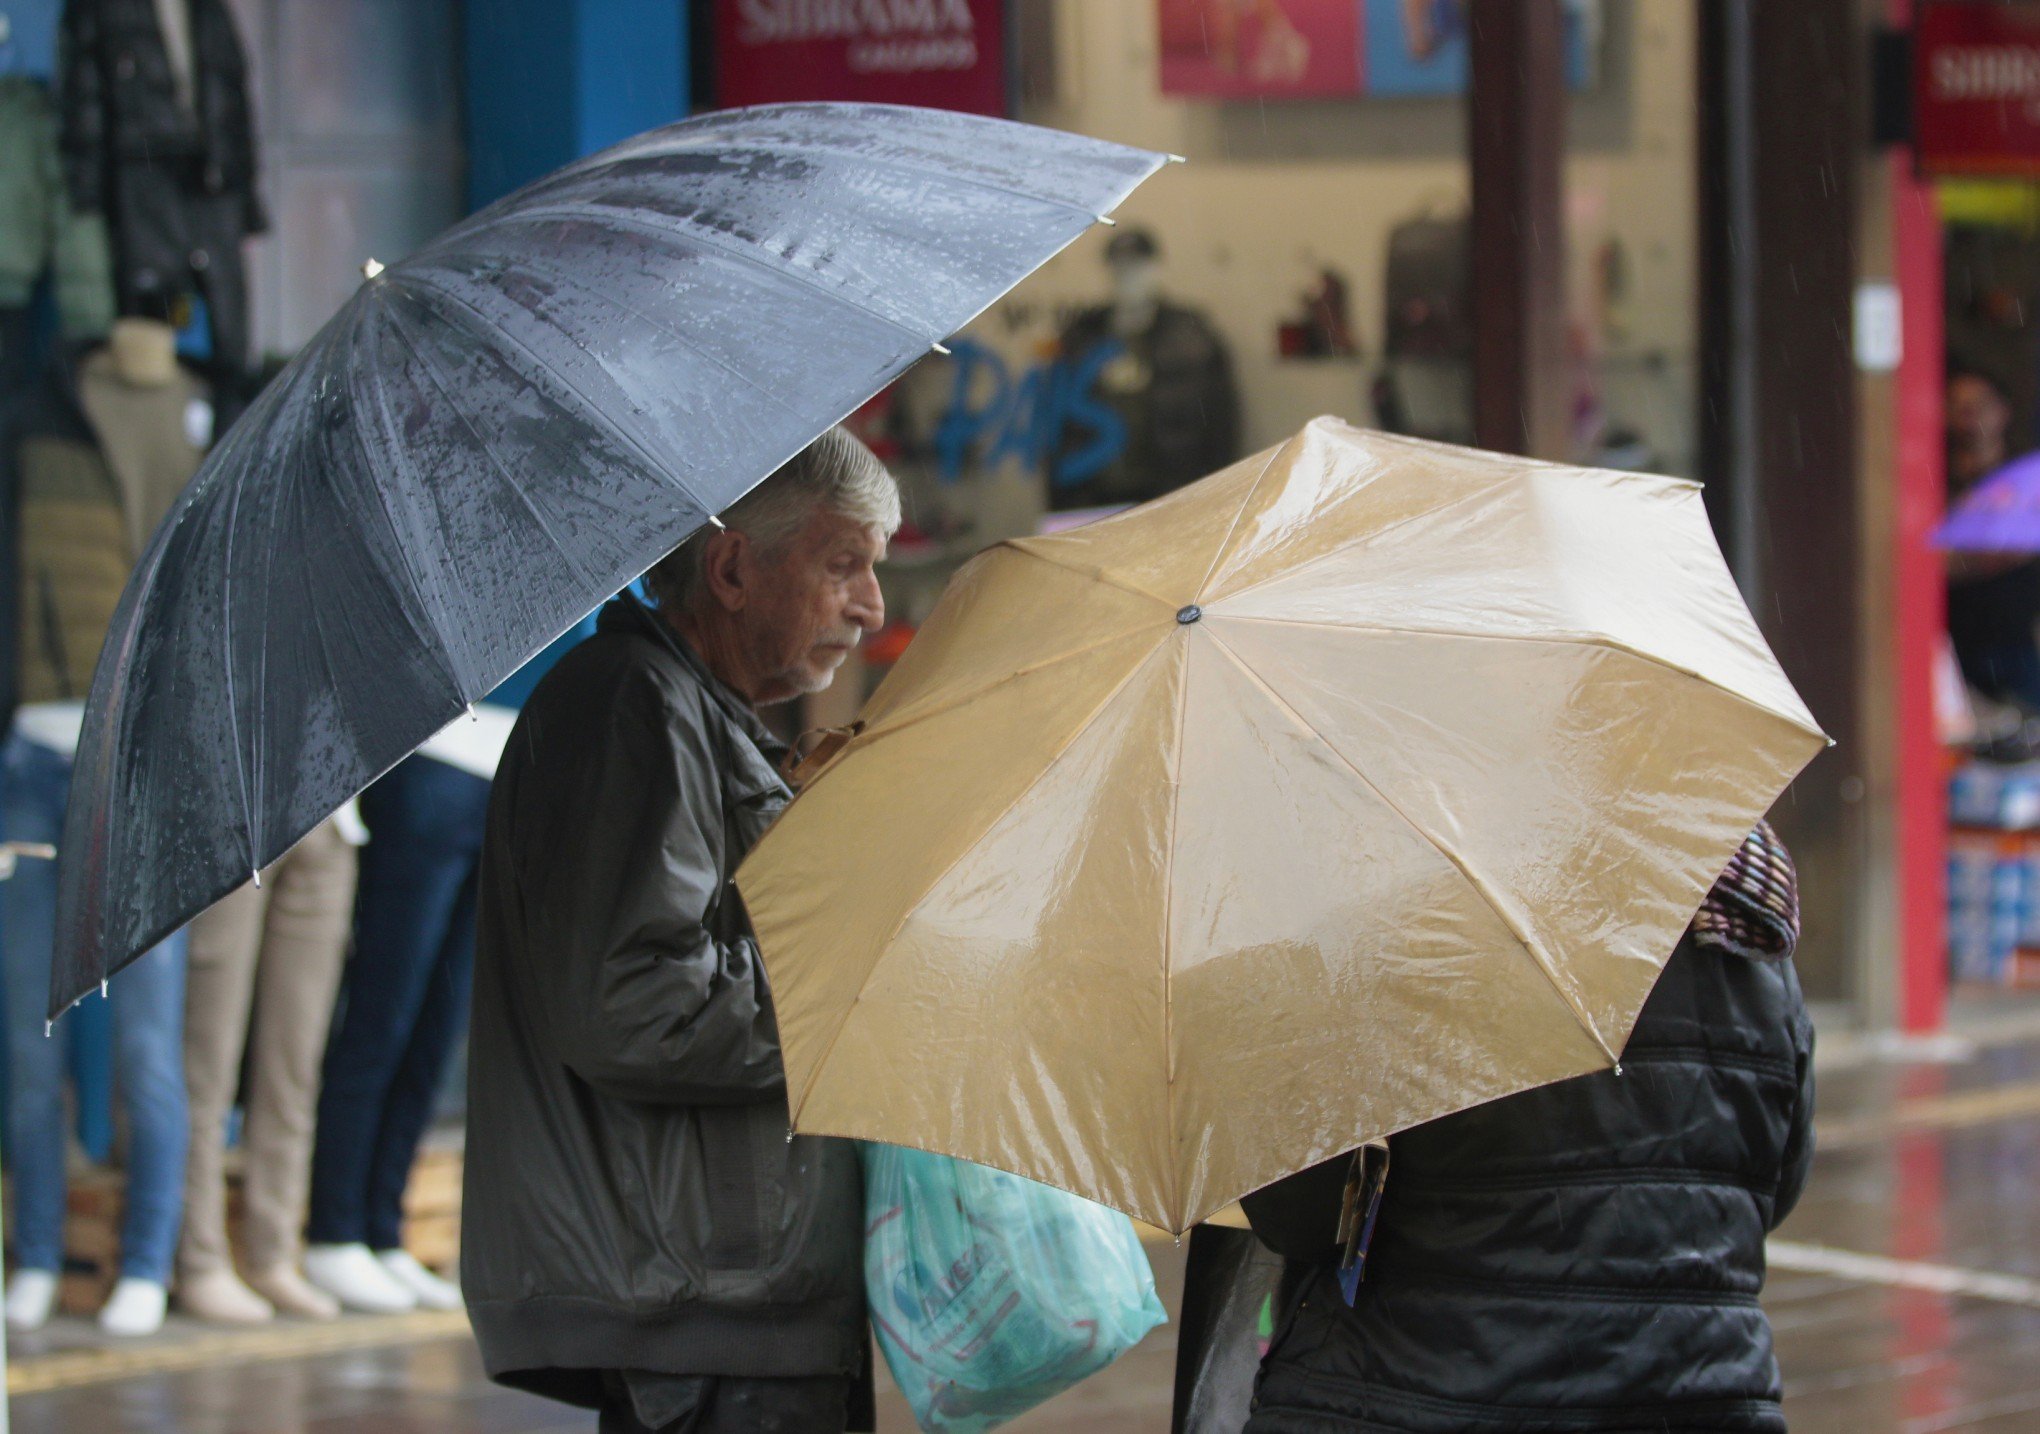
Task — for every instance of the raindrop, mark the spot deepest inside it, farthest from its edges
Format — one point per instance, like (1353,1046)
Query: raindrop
(48,1029)
(257,875)
(102,992)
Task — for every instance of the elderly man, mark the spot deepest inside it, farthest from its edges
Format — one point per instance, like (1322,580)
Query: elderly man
(642,1235)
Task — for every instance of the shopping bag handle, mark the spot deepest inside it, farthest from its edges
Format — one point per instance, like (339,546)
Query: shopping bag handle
(814,750)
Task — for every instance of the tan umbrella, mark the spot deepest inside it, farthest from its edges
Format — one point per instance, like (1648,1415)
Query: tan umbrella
(1362,782)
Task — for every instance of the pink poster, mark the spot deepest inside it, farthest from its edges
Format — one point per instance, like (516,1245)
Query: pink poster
(1247,49)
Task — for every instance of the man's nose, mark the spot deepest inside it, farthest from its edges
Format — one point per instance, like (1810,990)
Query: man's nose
(867,604)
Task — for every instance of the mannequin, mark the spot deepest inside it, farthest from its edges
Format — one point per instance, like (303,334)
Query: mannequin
(96,469)
(144,352)
(404,1003)
(1167,378)
(264,970)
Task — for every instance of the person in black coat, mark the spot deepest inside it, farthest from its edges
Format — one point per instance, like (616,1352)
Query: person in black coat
(1586,1256)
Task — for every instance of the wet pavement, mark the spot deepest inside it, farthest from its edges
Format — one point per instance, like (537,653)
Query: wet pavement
(1905,1292)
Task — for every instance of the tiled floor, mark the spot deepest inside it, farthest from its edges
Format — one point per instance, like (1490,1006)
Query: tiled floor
(1905,1292)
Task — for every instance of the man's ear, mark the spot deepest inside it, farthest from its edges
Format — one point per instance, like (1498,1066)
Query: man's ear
(725,568)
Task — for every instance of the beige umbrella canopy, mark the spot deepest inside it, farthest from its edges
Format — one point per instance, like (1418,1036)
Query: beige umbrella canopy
(1362,782)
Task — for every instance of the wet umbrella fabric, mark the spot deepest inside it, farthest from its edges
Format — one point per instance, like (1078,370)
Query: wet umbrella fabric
(500,431)
(2001,514)
(1362,782)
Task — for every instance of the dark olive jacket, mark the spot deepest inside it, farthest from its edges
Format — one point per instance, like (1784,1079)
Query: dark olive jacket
(632,1200)
(1584,1257)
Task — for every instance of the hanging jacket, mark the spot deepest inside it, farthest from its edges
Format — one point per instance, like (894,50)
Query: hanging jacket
(40,232)
(1170,388)
(67,542)
(632,1199)
(1586,1256)
(176,183)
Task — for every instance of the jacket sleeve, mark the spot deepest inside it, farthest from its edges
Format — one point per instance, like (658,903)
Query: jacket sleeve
(81,105)
(1298,1217)
(637,997)
(1798,1157)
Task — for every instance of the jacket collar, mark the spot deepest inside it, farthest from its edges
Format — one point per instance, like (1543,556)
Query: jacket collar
(629,613)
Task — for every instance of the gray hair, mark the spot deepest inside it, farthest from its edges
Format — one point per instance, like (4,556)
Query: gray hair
(836,473)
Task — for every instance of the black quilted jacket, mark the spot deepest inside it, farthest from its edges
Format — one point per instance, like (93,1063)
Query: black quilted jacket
(1584,1257)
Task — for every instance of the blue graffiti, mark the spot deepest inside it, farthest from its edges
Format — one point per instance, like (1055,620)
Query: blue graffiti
(1048,417)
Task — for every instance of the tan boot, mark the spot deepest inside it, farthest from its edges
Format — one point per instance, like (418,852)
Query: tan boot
(219,1297)
(293,1294)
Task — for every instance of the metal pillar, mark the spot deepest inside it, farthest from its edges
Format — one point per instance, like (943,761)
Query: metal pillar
(1516,138)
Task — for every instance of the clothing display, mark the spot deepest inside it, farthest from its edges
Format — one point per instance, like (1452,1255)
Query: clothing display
(93,460)
(1169,381)
(41,234)
(264,970)
(158,136)
(632,1200)
(93,463)
(403,998)
(148,1020)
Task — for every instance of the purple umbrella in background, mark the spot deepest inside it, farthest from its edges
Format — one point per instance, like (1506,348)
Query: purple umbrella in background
(2001,514)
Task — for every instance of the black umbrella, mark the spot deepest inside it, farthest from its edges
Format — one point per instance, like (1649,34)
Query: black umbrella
(497,433)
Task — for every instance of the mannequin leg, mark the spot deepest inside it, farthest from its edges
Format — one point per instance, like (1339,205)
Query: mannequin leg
(36,784)
(303,947)
(409,884)
(414,1092)
(148,1068)
(219,993)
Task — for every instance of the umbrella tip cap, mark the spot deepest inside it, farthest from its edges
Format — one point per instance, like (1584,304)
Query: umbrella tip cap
(1187,615)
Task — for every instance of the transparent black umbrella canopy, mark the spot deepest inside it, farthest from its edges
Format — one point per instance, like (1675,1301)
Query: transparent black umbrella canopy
(499,432)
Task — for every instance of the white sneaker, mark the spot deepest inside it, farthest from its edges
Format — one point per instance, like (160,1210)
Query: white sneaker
(135,1308)
(351,1275)
(428,1289)
(31,1299)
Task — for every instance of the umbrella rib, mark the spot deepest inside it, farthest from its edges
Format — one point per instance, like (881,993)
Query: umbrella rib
(773,149)
(872,734)
(667,329)
(1169,943)
(474,318)
(227,662)
(1575,639)
(1473,878)
(1218,555)
(422,624)
(1090,719)
(686,232)
(487,446)
(1094,573)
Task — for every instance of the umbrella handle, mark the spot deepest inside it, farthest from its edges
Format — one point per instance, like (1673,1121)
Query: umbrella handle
(814,750)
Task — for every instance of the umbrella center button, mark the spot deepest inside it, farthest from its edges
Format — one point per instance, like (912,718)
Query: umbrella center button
(1190,614)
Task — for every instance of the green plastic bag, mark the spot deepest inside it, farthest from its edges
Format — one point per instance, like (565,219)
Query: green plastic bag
(990,1293)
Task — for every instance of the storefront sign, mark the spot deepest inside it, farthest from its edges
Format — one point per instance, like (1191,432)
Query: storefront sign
(1302,49)
(1976,88)
(947,54)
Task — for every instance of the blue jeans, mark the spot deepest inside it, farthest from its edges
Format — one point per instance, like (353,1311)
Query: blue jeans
(403,997)
(148,1048)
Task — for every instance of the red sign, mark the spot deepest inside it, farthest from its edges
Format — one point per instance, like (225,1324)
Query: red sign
(1976,88)
(945,54)
(1221,49)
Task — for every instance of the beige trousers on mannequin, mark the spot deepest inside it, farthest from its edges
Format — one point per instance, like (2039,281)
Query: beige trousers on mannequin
(264,972)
